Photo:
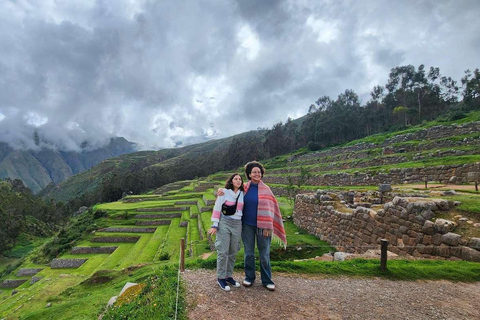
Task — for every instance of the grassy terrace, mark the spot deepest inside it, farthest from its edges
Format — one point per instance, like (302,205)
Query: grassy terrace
(82,293)
(430,162)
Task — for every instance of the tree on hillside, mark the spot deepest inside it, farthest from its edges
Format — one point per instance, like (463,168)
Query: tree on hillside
(471,89)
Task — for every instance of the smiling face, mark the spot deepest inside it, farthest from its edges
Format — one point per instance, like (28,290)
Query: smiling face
(256,175)
(237,181)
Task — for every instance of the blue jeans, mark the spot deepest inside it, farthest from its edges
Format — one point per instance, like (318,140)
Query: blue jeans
(249,233)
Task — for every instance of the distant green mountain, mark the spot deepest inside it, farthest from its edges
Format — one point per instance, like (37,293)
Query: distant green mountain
(38,169)
(152,169)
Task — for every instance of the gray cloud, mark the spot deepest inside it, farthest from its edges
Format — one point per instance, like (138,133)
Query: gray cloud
(165,73)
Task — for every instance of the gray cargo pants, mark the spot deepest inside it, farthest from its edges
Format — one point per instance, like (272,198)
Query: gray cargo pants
(227,243)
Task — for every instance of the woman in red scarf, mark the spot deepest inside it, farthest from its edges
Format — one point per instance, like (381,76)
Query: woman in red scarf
(261,220)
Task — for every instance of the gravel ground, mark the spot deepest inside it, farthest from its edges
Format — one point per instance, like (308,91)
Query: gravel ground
(306,297)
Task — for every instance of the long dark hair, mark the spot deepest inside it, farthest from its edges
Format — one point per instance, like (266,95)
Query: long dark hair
(229,183)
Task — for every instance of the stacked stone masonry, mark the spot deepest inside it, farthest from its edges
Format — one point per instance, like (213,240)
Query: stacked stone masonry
(28,272)
(128,230)
(88,250)
(162,209)
(158,216)
(12,283)
(66,263)
(404,222)
(434,133)
(153,223)
(442,174)
(115,239)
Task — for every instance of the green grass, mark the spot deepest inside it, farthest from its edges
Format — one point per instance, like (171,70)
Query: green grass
(152,247)
(115,259)
(172,245)
(135,205)
(470,203)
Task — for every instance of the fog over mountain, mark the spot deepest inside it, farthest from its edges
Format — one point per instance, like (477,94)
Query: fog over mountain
(169,73)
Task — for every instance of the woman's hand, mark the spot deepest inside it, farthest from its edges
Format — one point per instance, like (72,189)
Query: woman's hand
(212,231)
(267,233)
(220,192)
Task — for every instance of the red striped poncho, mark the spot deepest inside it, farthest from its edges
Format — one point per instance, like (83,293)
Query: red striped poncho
(268,212)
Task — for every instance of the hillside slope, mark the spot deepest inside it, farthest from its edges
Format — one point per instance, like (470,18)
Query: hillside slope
(37,169)
(151,169)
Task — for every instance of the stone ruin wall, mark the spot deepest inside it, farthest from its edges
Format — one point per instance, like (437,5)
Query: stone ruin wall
(432,133)
(443,174)
(405,222)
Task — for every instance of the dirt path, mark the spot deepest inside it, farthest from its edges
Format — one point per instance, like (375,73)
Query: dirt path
(303,297)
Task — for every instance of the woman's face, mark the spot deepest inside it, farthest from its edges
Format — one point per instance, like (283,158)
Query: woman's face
(256,175)
(237,181)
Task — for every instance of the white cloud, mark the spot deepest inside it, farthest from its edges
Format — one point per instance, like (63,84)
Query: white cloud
(249,42)
(164,73)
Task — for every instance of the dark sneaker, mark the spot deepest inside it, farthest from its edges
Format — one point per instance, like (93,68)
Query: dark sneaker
(233,282)
(223,284)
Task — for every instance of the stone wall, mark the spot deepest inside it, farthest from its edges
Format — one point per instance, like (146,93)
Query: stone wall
(129,230)
(162,209)
(442,174)
(115,239)
(433,133)
(66,263)
(28,272)
(12,283)
(87,250)
(158,216)
(153,222)
(405,222)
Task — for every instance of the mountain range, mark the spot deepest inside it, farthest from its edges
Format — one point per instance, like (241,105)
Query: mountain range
(39,168)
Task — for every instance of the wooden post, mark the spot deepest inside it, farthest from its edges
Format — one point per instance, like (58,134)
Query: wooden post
(182,255)
(476,186)
(383,255)
(426,184)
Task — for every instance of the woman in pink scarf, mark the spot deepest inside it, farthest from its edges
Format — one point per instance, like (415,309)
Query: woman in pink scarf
(261,220)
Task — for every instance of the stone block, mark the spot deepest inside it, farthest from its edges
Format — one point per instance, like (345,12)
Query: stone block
(428,227)
(470,254)
(34,280)
(443,251)
(437,239)
(451,239)
(385,187)
(427,239)
(474,243)
(444,226)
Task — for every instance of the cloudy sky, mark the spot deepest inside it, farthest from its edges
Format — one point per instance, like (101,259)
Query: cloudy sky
(161,73)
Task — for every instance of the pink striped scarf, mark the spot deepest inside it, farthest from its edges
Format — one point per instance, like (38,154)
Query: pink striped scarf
(268,212)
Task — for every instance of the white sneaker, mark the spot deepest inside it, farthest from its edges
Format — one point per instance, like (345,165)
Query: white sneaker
(247,283)
(270,287)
